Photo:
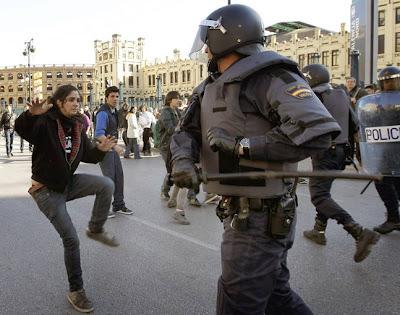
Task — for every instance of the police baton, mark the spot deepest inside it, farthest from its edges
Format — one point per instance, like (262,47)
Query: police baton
(274,174)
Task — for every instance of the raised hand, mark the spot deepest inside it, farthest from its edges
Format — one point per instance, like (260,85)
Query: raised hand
(105,144)
(38,107)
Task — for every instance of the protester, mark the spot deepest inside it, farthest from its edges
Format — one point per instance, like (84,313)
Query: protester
(60,144)
(107,125)
(132,134)
(146,119)
(7,122)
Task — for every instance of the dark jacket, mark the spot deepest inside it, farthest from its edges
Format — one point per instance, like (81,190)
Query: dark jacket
(106,122)
(122,122)
(5,121)
(49,161)
(168,121)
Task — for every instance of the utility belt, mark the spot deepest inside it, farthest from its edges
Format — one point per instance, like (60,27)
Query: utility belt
(280,212)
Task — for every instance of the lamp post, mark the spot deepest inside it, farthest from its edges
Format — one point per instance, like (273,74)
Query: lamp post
(121,93)
(158,100)
(29,48)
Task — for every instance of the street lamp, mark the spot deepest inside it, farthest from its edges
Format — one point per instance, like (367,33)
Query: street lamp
(29,48)
(158,91)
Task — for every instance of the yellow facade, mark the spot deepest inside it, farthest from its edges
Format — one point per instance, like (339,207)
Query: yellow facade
(14,82)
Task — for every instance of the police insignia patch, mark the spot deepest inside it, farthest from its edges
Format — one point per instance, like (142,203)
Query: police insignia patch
(299,91)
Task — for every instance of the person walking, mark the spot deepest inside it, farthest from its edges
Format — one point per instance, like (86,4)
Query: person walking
(107,125)
(146,119)
(333,159)
(254,105)
(132,134)
(60,144)
(7,122)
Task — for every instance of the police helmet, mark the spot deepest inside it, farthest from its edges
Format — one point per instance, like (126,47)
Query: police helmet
(232,28)
(316,74)
(389,79)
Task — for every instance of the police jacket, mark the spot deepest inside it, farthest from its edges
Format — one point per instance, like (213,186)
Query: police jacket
(262,97)
(338,104)
(50,165)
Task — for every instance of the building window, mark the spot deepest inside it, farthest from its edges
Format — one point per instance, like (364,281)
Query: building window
(164,78)
(130,68)
(105,56)
(89,75)
(335,57)
(397,42)
(137,68)
(149,78)
(49,87)
(20,88)
(201,71)
(59,75)
(123,67)
(325,58)
(79,75)
(137,82)
(10,88)
(397,15)
(381,18)
(188,76)
(10,76)
(105,69)
(20,100)
(1,77)
(153,77)
(49,75)
(183,76)
(20,76)
(69,75)
(2,88)
(301,61)
(130,81)
(381,44)
(312,58)
(110,68)
(110,56)
(171,77)
(176,76)
(79,86)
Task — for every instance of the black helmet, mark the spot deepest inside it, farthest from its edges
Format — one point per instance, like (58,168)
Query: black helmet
(389,79)
(316,74)
(231,28)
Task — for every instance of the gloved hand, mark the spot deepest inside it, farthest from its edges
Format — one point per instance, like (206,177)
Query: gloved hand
(220,140)
(185,174)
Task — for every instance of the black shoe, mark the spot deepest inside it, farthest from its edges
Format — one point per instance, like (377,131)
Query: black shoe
(123,210)
(387,227)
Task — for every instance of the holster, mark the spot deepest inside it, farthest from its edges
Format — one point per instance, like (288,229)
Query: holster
(281,217)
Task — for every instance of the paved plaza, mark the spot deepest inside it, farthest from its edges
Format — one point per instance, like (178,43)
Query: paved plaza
(165,268)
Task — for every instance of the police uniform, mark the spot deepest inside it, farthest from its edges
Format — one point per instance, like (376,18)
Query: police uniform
(261,103)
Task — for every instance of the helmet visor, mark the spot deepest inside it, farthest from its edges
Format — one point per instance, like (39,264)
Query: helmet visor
(201,36)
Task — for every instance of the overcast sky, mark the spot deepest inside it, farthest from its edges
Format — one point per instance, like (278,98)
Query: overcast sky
(64,31)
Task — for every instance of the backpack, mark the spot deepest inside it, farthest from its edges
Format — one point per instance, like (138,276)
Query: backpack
(156,133)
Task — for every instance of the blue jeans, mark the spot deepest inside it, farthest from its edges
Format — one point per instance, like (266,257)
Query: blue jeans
(132,145)
(53,206)
(111,167)
(9,133)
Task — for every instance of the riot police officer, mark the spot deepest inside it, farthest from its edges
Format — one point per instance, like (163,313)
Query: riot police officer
(338,104)
(255,105)
(389,187)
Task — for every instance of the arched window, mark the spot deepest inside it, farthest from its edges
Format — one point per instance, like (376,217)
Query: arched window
(79,74)
(69,75)
(20,88)
(10,76)
(59,75)
(79,86)
(1,76)
(2,88)
(11,100)
(49,87)
(20,100)
(20,76)
(10,88)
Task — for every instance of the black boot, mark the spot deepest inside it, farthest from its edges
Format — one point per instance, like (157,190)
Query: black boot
(392,223)
(317,234)
(365,239)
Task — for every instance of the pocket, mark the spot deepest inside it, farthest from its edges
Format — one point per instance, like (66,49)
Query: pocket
(41,195)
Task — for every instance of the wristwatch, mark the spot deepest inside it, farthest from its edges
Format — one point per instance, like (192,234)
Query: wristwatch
(245,144)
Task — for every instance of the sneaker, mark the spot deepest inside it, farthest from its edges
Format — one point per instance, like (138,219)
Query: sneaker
(387,227)
(179,217)
(165,195)
(316,236)
(171,203)
(211,198)
(103,237)
(195,202)
(364,244)
(80,302)
(124,210)
(111,214)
